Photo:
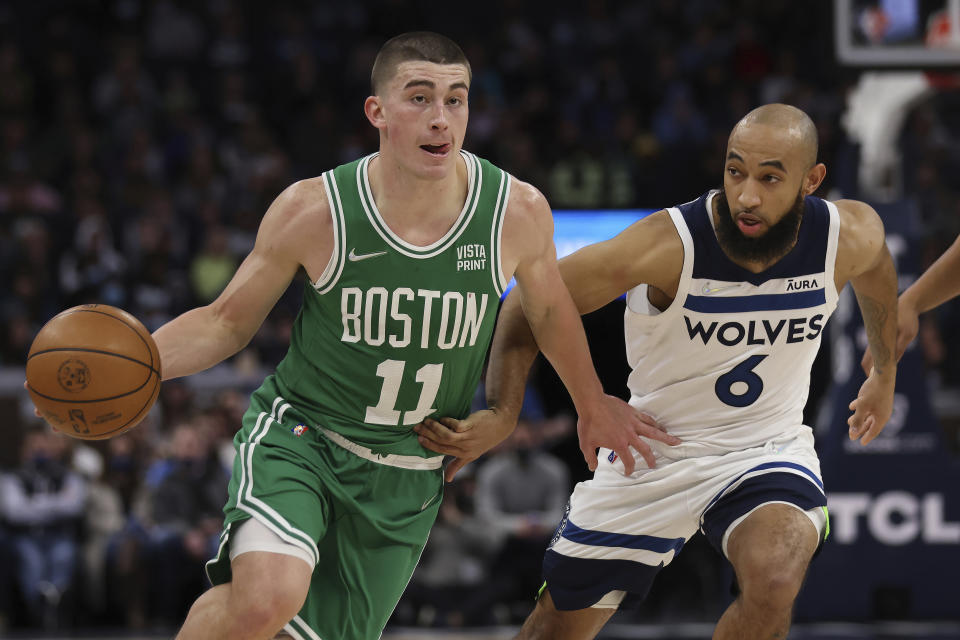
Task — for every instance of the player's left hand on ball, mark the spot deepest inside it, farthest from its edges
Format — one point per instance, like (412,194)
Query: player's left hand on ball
(465,439)
(871,409)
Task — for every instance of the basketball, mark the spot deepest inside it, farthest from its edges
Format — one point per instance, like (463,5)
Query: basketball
(93,371)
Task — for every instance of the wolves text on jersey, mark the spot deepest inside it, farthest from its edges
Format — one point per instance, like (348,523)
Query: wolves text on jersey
(732,333)
(378,315)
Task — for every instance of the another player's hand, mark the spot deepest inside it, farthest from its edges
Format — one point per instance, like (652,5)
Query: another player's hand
(465,439)
(872,408)
(908,325)
(614,424)
(36,411)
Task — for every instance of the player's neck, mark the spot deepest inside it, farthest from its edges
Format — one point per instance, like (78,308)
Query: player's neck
(409,203)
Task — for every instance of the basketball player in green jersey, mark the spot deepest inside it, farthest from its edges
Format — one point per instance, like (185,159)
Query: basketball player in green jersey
(407,252)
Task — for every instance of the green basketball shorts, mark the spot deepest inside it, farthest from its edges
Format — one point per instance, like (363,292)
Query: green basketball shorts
(363,518)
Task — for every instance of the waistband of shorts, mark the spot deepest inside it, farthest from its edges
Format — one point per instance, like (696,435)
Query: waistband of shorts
(388,459)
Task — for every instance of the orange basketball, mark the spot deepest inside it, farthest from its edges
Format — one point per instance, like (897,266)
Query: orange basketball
(93,371)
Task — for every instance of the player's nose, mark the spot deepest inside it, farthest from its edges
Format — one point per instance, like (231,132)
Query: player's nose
(438,117)
(749,196)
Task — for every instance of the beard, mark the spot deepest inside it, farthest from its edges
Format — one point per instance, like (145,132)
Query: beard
(774,244)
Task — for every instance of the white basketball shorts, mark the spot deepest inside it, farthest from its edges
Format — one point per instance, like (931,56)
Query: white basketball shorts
(619,531)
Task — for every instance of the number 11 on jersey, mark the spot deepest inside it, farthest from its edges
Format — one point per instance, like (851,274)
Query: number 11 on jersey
(391,371)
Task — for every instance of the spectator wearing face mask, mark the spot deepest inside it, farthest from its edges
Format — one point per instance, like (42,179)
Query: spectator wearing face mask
(178,517)
(519,499)
(42,502)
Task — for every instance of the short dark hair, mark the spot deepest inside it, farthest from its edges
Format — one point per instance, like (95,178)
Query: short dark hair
(415,45)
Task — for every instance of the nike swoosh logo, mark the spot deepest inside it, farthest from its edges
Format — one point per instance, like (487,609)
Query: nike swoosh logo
(355,257)
(708,291)
(429,501)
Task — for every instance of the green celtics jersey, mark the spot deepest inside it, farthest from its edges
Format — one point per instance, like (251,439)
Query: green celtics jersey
(392,332)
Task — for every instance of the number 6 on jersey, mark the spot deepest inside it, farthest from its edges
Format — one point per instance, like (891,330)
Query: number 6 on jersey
(744,373)
(391,371)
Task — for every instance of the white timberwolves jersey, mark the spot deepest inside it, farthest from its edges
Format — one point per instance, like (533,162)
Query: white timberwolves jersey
(727,365)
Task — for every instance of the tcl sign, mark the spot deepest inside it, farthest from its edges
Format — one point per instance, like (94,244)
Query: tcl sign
(892,518)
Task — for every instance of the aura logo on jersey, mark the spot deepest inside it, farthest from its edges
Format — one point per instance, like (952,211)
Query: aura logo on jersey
(755,332)
(802,284)
(376,316)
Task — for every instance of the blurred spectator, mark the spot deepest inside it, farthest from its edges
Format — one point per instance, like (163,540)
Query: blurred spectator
(126,458)
(520,497)
(42,502)
(7,577)
(23,193)
(160,558)
(173,31)
(213,267)
(103,518)
(92,271)
(125,95)
(453,565)
(16,80)
(202,183)
(577,179)
(18,335)
(177,402)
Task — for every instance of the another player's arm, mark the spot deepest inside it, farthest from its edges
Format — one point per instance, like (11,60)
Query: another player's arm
(295,226)
(938,284)
(649,251)
(864,260)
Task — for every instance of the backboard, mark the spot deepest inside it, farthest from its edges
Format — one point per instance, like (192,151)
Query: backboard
(918,34)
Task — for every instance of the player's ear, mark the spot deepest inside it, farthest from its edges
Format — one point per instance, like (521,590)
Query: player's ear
(373,108)
(814,177)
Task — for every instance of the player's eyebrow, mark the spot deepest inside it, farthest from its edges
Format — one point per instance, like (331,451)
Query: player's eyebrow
(420,83)
(776,164)
(430,84)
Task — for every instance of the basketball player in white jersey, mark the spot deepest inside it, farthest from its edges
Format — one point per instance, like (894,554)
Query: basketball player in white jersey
(727,297)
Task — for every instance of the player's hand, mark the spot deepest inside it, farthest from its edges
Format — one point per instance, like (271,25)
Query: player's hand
(614,424)
(908,325)
(872,408)
(465,439)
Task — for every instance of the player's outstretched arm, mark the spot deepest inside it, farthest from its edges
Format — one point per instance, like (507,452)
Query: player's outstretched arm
(296,224)
(864,260)
(648,251)
(939,283)
(554,319)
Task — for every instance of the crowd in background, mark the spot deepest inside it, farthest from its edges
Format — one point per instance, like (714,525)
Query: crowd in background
(142,140)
